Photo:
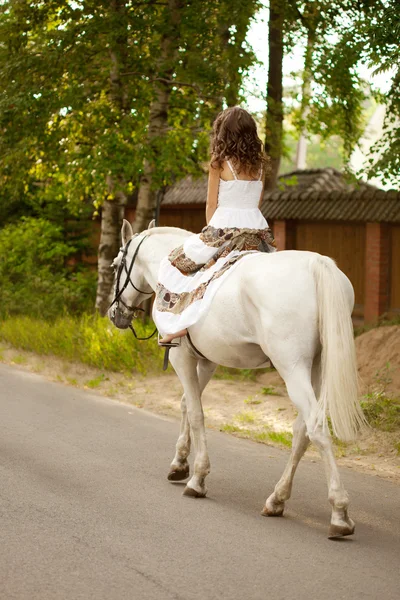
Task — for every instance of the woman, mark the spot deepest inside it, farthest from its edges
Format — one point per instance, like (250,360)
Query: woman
(192,273)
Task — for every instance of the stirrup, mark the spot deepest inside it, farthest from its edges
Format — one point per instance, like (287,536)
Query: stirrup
(168,344)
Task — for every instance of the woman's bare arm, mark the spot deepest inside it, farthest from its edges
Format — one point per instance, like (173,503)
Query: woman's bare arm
(212,193)
(262,194)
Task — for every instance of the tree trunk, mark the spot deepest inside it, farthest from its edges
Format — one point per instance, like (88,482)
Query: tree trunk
(111,221)
(158,118)
(113,207)
(274,124)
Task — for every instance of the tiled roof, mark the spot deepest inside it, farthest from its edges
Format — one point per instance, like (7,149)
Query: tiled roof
(315,180)
(187,191)
(354,205)
(309,194)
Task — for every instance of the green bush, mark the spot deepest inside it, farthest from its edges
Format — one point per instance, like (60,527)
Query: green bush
(382,411)
(35,276)
(90,339)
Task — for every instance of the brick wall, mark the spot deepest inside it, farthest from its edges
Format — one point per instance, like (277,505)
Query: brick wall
(284,234)
(377,271)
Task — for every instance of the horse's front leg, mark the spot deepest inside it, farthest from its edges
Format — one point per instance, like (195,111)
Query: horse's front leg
(185,366)
(179,468)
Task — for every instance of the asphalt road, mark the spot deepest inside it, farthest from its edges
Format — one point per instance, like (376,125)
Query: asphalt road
(87,512)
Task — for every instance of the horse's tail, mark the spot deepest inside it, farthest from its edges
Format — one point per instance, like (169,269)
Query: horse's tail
(339,382)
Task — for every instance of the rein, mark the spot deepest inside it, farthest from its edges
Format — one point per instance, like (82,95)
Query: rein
(128,280)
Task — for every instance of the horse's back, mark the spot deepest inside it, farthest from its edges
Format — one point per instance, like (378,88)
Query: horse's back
(269,300)
(264,288)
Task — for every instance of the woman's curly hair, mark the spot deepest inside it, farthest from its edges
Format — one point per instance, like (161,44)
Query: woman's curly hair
(235,138)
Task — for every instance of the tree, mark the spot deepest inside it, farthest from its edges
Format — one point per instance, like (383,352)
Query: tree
(382,51)
(202,60)
(274,116)
(82,84)
(333,93)
(158,114)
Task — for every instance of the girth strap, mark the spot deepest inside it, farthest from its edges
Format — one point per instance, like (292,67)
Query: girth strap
(194,347)
(166,354)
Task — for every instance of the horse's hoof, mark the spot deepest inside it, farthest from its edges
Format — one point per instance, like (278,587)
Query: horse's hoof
(178,473)
(188,491)
(275,510)
(338,531)
(272,507)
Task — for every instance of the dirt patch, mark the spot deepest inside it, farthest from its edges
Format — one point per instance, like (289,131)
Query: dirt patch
(259,410)
(378,355)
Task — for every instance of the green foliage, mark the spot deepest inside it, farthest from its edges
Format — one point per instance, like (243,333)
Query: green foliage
(92,340)
(381,409)
(238,374)
(76,83)
(341,37)
(320,152)
(35,277)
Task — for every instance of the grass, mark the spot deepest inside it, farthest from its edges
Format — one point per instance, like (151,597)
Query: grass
(270,391)
(89,339)
(230,428)
(20,359)
(246,416)
(96,381)
(382,411)
(94,341)
(253,400)
(283,438)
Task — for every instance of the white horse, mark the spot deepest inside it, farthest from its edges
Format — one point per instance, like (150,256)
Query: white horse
(292,307)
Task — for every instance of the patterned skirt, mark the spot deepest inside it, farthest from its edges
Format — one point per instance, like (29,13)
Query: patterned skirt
(192,273)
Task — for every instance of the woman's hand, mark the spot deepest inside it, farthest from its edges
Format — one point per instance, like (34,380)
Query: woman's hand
(212,194)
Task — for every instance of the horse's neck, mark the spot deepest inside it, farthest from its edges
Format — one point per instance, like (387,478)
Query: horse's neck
(158,247)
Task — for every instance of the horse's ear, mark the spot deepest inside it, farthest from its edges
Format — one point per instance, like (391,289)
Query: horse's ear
(152,224)
(126,232)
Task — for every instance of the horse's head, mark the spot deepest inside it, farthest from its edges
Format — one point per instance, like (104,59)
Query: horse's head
(130,288)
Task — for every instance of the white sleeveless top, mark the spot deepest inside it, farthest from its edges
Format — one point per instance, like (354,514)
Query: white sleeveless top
(238,203)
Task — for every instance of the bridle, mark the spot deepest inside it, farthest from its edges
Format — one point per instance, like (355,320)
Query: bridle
(128,280)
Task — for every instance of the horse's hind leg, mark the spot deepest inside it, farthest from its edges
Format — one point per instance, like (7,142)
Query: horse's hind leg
(341,524)
(275,504)
(302,394)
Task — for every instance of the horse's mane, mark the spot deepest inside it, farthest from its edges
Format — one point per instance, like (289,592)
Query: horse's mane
(170,230)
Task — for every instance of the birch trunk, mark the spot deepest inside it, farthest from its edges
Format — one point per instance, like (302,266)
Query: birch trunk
(274,124)
(113,209)
(158,117)
(111,221)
